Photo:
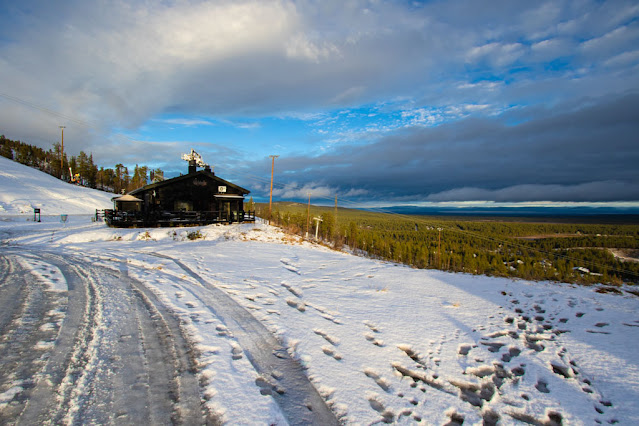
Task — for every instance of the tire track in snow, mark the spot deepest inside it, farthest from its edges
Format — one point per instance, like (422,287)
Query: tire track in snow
(55,396)
(185,386)
(299,400)
(118,358)
(12,292)
(26,333)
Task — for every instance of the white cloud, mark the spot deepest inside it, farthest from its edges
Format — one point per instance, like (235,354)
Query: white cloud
(481,85)
(294,191)
(186,122)
(625,58)
(495,53)
(611,42)
(591,191)
(550,49)
(300,47)
(213,31)
(423,116)
(304,116)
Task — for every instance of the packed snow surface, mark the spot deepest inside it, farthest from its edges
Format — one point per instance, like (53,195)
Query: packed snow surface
(381,342)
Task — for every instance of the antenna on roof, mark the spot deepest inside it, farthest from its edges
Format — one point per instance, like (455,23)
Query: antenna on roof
(195,161)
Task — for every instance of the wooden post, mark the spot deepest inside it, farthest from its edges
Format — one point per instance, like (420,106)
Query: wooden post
(439,248)
(308,214)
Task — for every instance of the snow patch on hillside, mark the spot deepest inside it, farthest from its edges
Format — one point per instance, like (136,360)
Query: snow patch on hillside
(25,188)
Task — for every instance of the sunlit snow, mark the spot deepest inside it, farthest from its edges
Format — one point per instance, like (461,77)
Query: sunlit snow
(379,341)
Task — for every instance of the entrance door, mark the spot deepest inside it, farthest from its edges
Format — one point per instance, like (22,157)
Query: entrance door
(225,211)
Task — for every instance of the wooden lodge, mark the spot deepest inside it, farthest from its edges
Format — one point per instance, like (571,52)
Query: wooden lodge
(197,198)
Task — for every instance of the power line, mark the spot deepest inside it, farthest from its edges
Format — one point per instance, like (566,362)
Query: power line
(49,111)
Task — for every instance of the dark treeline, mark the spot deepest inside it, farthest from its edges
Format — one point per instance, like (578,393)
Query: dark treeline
(78,169)
(536,251)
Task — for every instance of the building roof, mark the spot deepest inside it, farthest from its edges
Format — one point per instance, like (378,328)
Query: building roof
(201,173)
(127,197)
(228,196)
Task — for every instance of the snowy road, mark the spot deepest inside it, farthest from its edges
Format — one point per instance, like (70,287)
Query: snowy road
(81,343)
(86,343)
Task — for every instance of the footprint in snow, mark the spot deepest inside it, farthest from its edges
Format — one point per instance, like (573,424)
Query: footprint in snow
(223,331)
(463,349)
(299,305)
(330,339)
(542,386)
(371,338)
(330,351)
(387,415)
(267,387)
(374,328)
(296,292)
(597,332)
(236,352)
(380,381)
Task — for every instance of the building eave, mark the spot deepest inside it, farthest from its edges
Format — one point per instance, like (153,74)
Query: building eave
(200,173)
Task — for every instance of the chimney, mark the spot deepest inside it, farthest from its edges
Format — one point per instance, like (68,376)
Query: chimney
(192,166)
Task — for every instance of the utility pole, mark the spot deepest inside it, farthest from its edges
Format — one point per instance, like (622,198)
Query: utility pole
(270,200)
(62,151)
(335,227)
(308,214)
(439,248)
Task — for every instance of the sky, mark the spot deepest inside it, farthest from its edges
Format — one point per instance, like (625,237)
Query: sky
(375,102)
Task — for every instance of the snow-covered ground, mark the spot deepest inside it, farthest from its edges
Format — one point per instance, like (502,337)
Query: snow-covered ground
(381,342)
(22,189)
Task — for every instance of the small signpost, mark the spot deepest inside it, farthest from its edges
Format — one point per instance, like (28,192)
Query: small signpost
(36,215)
(317,222)
(63,218)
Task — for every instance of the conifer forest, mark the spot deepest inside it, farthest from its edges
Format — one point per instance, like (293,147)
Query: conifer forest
(556,249)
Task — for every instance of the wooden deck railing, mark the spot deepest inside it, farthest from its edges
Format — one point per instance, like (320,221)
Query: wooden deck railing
(124,219)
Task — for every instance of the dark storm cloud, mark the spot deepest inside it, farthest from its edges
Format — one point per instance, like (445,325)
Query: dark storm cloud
(584,154)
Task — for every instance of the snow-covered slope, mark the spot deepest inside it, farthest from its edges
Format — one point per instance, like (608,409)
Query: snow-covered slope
(22,189)
(381,342)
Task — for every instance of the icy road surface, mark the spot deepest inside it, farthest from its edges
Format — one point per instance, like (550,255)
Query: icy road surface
(84,344)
